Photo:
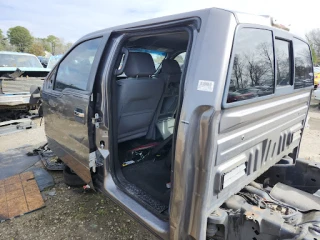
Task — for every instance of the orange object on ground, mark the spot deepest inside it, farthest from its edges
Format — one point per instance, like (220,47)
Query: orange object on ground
(19,194)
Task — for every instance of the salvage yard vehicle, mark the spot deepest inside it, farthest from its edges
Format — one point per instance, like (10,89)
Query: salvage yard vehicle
(21,78)
(184,148)
(19,97)
(316,76)
(27,63)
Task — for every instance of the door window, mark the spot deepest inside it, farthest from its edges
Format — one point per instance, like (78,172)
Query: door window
(253,65)
(74,70)
(283,62)
(303,65)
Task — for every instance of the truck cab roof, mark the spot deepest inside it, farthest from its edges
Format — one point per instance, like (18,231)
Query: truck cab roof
(240,17)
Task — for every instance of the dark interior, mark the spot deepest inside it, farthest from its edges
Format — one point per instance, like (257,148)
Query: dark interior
(147,95)
(167,42)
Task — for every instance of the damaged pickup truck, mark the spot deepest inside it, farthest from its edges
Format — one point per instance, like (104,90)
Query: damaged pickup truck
(206,144)
(21,78)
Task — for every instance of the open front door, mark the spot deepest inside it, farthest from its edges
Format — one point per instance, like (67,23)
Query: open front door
(67,94)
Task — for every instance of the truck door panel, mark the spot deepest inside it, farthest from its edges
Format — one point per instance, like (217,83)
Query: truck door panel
(66,106)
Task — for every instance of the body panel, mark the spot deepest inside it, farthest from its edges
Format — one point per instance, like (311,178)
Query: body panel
(68,134)
(194,144)
(68,120)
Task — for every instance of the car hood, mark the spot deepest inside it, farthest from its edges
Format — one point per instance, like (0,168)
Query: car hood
(26,71)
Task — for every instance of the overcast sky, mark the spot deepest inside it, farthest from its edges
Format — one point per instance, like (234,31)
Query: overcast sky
(71,19)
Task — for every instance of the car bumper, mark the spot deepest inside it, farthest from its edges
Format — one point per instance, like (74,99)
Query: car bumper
(14,99)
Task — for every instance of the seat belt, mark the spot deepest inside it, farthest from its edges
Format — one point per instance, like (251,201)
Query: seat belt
(157,148)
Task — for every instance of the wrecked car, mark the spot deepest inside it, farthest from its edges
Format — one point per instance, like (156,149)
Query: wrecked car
(43,61)
(21,78)
(29,64)
(181,147)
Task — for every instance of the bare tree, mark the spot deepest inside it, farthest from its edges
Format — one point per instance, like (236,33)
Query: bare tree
(238,71)
(256,67)
(313,38)
(266,52)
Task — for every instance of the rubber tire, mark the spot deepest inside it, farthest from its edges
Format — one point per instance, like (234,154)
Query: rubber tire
(71,178)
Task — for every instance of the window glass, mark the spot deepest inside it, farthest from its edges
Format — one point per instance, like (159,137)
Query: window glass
(180,58)
(283,62)
(303,65)
(74,70)
(53,60)
(252,69)
(19,60)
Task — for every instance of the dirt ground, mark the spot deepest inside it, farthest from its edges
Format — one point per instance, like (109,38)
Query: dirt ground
(72,213)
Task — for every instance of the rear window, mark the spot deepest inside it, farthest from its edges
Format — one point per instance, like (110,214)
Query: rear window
(253,65)
(15,60)
(303,65)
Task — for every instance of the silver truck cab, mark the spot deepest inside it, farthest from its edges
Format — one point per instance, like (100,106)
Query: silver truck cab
(190,123)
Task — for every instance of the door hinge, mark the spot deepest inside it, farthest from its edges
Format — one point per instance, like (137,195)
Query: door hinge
(95,161)
(92,161)
(96,120)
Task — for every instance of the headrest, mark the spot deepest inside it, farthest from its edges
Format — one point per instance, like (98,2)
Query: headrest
(139,64)
(170,66)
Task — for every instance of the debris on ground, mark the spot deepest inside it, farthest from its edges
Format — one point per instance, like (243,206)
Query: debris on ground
(13,126)
(52,193)
(43,178)
(19,194)
(49,159)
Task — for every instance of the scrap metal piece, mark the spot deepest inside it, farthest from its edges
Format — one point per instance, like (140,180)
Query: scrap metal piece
(14,126)
(12,76)
(49,159)
(295,197)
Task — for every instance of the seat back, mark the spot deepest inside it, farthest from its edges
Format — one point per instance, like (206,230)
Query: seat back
(138,96)
(164,118)
(171,73)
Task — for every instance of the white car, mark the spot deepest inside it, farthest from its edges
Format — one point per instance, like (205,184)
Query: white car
(316,93)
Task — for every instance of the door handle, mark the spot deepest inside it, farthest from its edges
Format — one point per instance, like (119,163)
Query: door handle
(78,113)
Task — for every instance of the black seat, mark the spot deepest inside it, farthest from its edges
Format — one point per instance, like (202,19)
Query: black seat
(138,96)
(164,118)
(171,73)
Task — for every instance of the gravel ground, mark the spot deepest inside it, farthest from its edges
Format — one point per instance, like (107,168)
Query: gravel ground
(73,213)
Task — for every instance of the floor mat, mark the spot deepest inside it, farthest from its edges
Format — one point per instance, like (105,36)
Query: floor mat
(19,194)
(150,176)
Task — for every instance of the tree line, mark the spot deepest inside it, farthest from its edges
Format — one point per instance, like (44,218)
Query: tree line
(20,39)
(313,38)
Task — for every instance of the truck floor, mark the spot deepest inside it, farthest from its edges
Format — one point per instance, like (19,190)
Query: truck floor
(150,176)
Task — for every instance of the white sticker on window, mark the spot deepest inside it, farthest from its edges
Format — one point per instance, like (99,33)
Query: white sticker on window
(206,86)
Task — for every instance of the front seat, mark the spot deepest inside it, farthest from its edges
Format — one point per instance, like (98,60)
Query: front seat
(138,96)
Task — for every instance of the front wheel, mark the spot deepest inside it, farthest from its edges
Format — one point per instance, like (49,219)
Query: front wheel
(71,178)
